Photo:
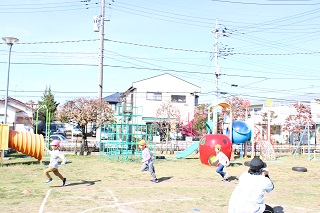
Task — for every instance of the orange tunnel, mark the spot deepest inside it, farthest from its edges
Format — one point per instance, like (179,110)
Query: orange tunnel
(27,143)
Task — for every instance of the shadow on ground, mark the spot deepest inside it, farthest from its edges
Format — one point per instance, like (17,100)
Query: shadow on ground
(164,179)
(232,178)
(46,163)
(278,209)
(235,164)
(82,182)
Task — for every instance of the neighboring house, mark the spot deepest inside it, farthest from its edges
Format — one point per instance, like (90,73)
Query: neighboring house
(114,100)
(17,112)
(282,110)
(146,96)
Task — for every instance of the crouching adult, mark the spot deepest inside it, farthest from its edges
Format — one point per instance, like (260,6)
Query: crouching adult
(248,195)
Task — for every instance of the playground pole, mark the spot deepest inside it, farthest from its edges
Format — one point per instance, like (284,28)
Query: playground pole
(308,142)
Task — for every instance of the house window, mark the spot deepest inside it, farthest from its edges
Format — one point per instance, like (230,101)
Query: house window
(154,96)
(257,109)
(178,98)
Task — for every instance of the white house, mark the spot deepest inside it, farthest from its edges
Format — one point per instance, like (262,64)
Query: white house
(146,96)
(282,109)
(17,112)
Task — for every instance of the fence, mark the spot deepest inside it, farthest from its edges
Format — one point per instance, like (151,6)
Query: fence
(278,148)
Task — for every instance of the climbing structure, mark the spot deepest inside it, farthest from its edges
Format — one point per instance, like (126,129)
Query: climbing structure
(119,141)
(266,148)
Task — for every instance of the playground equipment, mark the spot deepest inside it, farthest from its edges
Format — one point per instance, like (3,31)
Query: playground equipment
(207,144)
(306,130)
(237,132)
(120,140)
(241,132)
(27,143)
(208,141)
(188,151)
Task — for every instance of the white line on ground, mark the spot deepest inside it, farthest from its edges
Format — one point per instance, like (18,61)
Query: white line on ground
(144,201)
(121,208)
(44,201)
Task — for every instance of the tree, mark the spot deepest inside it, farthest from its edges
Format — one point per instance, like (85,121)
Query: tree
(200,118)
(238,107)
(264,116)
(84,110)
(295,123)
(265,121)
(48,100)
(167,119)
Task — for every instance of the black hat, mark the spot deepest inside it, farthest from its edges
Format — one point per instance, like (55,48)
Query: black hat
(256,164)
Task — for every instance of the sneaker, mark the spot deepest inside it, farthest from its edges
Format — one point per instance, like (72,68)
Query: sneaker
(64,181)
(48,181)
(155,181)
(225,176)
(224,180)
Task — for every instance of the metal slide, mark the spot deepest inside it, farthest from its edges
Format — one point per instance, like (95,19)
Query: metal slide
(188,151)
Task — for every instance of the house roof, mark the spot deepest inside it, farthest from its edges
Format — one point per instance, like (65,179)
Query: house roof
(18,103)
(165,74)
(114,98)
(15,101)
(133,88)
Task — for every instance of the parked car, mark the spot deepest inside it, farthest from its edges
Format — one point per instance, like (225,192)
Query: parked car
(107,134)
(51,131)
(60,132)
(94,132)
(76,132)
(58,137)
(9,151)
(60,129)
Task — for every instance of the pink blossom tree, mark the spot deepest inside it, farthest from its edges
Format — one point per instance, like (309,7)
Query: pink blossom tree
(200,119)
(295,123)
(83,111)
(238,107)
(168,119)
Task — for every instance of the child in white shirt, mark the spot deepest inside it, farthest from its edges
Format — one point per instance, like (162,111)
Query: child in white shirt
(55,154)
(223,162)
(147,162)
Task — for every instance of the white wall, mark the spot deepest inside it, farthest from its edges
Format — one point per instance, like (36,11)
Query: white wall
(10,115)
(168,85)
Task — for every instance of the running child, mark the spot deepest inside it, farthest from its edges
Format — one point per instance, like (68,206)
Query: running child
(55,154)
(147,162)
(223,162)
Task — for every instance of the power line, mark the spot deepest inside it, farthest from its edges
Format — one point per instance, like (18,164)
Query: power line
(170,48)
(172,70)
(58,42)
(266,4)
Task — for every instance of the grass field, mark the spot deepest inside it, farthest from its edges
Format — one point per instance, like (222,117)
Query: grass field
(185,186)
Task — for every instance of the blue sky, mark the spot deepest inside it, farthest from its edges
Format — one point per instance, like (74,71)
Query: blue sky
(275,46)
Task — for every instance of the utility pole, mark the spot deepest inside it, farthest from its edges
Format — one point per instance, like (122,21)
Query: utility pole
(217,73)
(217,69)
(100,73)
(218,31)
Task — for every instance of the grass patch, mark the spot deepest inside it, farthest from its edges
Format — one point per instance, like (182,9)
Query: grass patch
(185,186)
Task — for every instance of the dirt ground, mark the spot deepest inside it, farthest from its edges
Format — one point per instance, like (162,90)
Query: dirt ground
(185,185)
